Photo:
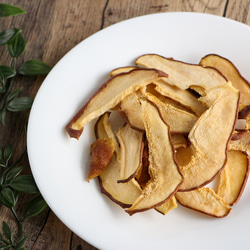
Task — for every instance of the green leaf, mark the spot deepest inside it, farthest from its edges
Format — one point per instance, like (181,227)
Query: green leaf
(7,153)
(20,104)
(10,10)
(16,45)
(2,83)
(13,94)
(34,68)
(7,232)
(7,197)
(24,183)
(13,173)
(6,35)
(35,206)
(7,72)
(19,245)
(2,247)
(2,116)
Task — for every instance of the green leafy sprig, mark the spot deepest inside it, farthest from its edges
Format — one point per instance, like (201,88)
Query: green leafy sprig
(12,181)
(16,44)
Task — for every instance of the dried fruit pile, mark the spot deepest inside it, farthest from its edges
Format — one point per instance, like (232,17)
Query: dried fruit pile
(184,125)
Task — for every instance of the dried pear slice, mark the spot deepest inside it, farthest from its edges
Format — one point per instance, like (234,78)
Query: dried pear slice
(204,200)
(165,177)
(242,144)
(101,152)
(209,138)
(103,130)
(131,145)
(245,114)
(121,70)
(184,97)
(143,176)
(123,194)
(229,70)
(167,206)
(109,95)
(130,109)
(179,141)
(183,75)
(179,121)
(181,96)
(233,178)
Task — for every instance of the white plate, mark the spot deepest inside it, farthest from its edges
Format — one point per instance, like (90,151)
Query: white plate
(59,164)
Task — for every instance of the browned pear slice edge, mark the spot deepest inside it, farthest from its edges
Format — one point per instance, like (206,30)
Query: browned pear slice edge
(109,95)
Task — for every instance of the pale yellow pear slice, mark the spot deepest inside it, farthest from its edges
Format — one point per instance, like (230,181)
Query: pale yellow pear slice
(209,138)
(182,96)
(121,70)
(204,200)
(124,194)
(183,75)
(165,177)
(229,70)
(130,108)
(179,121)
(233,178)
(110,94)
(131,148)
(167,206)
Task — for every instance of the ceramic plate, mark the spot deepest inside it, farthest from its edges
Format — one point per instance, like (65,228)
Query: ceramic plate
(60,164)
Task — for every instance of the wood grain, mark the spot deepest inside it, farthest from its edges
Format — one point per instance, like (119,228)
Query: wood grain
(51,29)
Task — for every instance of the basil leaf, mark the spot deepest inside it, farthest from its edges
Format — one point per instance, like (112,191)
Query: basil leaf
(24,183)
(7,72)
(13,173)
(7,232)
(7,153)
(7,197)
(10,10)
(34,68)
(35,206)
(16,45)
(6,35)
(20,104)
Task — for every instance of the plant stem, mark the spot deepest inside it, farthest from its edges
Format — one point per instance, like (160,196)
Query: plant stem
(19,224)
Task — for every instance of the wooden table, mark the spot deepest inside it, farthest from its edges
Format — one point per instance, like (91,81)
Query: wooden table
(51,29)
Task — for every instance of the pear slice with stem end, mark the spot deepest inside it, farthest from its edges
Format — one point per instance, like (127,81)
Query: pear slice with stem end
(165,177)
(109,95)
